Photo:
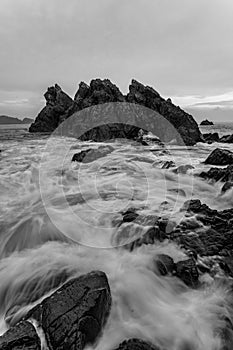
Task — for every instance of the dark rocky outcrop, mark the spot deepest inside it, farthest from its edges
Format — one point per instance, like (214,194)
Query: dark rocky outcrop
(187,271)
(206,122)
(211,137)
(227,186)
(182,121)
(90,155)
(70,318)
(183,169)
(168,164)
(213,237)
(60,107)
(57,102)
(22,336)
(75,314)
(226,139)
(220,157)
(218,174)
(136,344)
(165,264)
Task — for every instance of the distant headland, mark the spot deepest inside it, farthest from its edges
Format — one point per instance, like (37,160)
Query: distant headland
(4,119)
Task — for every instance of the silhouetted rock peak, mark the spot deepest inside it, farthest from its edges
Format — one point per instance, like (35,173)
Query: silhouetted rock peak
(57,103)
(59,106)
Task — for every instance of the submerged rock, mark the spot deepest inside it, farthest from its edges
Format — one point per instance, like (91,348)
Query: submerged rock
(60,107)
(220,157)
(22,336)
(90,155)
(75,314)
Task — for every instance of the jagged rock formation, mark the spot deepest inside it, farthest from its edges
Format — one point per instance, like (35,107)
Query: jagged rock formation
(211,137)
(219,174)
(60,107)
(182,121)
(57,102)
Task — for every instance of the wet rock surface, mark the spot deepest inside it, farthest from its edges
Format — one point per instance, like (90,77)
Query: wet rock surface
(22,336)
(76,313)
(187,271)
(165,264)
(214,237)
(60,107)
(220,157)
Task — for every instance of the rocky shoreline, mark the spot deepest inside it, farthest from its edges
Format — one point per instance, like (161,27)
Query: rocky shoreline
(76,313)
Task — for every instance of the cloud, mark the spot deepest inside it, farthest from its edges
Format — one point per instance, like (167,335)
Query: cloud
(182,48)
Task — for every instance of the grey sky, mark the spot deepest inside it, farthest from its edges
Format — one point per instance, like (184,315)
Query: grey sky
(183,48)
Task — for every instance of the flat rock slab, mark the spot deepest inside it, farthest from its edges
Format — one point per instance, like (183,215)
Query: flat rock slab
(75,314)
(21,337)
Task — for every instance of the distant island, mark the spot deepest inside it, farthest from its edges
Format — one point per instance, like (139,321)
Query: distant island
(206,122)
(4,119)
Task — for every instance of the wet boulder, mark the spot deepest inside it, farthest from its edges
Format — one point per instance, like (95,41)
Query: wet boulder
(136,344)
(22,336)
(187,271)
(90,155)
(75,314)
(220,157)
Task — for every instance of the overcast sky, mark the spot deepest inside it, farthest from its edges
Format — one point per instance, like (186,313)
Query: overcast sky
(183,48)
